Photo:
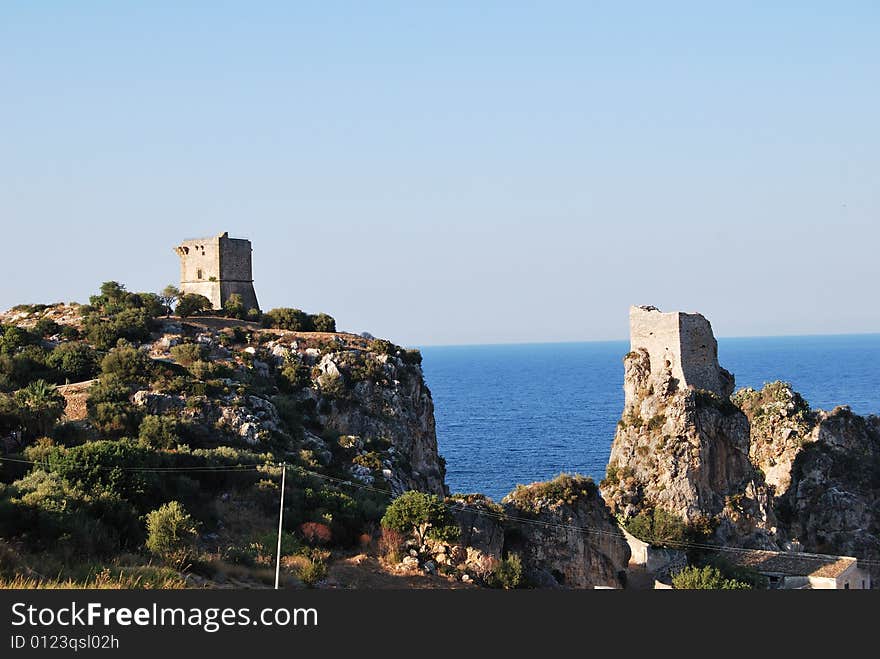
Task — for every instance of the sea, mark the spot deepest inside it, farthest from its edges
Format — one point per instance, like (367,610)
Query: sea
(515,414)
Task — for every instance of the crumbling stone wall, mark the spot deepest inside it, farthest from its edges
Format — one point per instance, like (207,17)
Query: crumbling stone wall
(683,344)
(217,267)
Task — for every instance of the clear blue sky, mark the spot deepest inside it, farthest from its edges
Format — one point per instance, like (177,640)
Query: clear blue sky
(472,172)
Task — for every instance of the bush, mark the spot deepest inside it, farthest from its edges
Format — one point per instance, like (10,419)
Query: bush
(294,376)
(324,323)
(109,408)
(47,512)
(234,307)
(286,318)
(74,361)
(310,567)
(171,532)
(391,545)
(315,533)
(565,489)
(158,432)
(14,338)
(422,515)
(193,304)
(705,578)
(186,354)
(118,314)
(508,574)
(128,364)
(659,528)
(40,406)
(46,327)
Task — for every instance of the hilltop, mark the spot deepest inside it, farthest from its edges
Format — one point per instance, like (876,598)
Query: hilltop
(142,448)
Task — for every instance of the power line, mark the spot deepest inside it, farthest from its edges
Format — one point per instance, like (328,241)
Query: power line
(463,507)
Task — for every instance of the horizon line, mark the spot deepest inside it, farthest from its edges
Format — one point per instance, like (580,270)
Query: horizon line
(626,340)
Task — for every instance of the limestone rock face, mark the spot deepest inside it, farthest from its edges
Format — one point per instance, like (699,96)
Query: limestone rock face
(565,535)
(824,469)
(686,451)
(396,410)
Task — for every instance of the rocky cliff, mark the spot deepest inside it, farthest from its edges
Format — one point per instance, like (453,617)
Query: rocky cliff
(760,469)
(561,530)
(823,469)
(363,404)
(565,534)
(685,451)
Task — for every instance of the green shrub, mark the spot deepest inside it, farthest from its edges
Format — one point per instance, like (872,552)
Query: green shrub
(40,406)
(158,432)
(663,529)
(128,364)
(323,323)
(508,574)
(117,314)
(109,408)
(46,327)
(294,376)
(14,338)
(171,532)
(193,304)
(74,361)
(421,515)
(187,353)
(705,578)
(565,489)
(47,513)
(234,307)
(310,567)
(286,318)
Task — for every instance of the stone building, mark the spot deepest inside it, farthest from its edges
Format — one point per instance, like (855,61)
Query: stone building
(800,570)
(217,267)
(682,343)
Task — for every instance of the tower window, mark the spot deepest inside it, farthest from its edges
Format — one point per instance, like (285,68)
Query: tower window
(199,273)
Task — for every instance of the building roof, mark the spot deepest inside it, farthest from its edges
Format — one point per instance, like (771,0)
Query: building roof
(793,564)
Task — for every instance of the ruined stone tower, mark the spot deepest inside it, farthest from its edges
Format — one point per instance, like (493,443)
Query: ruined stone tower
(682,343)
(217,268)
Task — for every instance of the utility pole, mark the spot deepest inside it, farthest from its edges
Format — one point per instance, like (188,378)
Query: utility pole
(280,521)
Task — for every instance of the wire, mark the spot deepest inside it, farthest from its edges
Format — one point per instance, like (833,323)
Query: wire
(501,516)
(463,507)
(205,468)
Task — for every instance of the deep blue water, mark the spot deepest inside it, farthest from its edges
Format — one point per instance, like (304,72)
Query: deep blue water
(509,414)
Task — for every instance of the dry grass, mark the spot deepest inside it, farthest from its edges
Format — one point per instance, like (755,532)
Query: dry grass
(128,578)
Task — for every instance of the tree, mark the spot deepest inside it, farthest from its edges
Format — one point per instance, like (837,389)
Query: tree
(421,515)
(112,292)
(705,578)
(152,304)
(169,295)
(171,532)
(192,304)
(40,406)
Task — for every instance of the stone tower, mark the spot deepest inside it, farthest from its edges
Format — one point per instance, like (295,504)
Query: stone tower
(682,343)
(217,267)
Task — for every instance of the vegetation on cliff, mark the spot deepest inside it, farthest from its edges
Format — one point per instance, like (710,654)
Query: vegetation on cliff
(174,430)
